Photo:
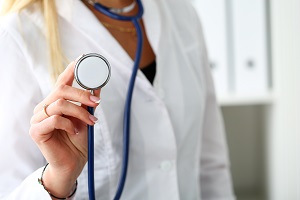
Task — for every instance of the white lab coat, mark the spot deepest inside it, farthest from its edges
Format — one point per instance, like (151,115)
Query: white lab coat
(178,148)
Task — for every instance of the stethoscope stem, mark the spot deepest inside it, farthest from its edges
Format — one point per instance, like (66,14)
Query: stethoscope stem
(91,182)
(126,123)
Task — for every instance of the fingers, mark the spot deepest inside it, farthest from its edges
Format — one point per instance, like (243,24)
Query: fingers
(74,94)
(60,108)
(70,93)
(78,95)
(64,107)
(40,131)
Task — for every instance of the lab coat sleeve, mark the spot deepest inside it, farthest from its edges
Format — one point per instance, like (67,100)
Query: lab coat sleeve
(215,176)
(21,160)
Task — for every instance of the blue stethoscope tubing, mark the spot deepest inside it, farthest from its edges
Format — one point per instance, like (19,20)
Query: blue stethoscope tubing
(126,120)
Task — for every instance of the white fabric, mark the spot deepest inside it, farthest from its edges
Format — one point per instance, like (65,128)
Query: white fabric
(178,148)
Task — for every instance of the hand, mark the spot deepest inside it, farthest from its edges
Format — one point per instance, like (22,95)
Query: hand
(60,132)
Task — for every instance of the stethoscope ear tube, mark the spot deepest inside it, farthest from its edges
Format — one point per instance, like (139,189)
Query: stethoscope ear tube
(126,121)
(116,16)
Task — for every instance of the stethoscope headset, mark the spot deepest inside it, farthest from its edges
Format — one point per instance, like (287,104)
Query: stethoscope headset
(92,71)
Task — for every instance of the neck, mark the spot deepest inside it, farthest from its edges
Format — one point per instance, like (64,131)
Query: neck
(106,19)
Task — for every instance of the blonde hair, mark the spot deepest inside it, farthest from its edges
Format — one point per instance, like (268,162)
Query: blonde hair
(57,60)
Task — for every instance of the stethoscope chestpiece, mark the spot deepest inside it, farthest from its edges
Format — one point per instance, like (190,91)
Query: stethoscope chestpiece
(92,71)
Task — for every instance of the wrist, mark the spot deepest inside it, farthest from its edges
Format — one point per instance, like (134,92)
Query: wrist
(58,185)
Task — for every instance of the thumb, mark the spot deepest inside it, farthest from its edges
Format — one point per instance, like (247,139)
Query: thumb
(67,76)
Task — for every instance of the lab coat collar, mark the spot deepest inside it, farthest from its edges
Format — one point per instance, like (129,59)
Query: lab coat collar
(80,16)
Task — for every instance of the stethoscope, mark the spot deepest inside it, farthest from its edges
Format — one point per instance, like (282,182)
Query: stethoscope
(92,71)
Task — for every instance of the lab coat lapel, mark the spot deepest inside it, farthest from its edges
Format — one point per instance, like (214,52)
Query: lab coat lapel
(152,21)
(86,23)
(77,14)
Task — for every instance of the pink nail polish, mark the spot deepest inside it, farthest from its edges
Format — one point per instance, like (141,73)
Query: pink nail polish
(93,118)
(95,99)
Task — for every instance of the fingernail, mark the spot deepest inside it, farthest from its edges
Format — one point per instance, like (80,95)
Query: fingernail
(95,99)
(76,131)
(93,118)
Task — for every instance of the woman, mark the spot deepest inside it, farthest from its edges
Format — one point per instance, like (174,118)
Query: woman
(178,148)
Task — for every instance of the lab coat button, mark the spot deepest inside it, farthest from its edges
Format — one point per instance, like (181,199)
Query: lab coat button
(165,165)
